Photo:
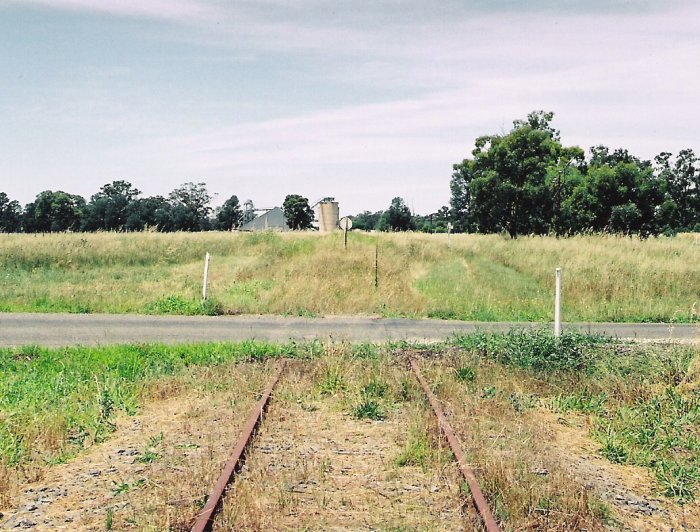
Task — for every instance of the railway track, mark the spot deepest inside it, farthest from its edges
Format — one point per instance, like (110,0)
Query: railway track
(206,518)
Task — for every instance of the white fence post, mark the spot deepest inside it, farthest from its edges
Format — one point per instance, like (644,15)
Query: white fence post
(557,305)
(206,276)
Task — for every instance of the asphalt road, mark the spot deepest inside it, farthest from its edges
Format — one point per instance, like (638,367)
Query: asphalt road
(101,329)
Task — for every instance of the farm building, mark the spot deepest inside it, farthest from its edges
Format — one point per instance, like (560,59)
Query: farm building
(272,220)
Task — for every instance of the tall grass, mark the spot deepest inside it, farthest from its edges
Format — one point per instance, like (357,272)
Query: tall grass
(480,277)
(643,401)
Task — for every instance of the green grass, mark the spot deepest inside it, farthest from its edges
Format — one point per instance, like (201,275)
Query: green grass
(644,401)
(369,408)
(54,401)
(481,277)
(535,349)
(186,307)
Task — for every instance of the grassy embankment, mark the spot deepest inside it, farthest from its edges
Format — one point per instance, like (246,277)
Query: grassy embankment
(641,403)
(481,277)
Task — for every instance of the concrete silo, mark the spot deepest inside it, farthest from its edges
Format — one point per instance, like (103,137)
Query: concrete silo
(328,214)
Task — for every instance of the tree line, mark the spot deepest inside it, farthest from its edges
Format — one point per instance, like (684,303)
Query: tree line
(521,182)
(527,182)
(118,206)
(398,217)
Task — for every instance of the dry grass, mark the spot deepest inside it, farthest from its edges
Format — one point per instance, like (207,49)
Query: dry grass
(350,443)
(527,486)
(157,469)
(482,277)
(318,464)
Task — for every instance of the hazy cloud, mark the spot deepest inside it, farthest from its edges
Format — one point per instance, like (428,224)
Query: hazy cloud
(362,100)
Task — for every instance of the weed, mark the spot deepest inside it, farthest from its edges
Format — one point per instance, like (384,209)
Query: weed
(406,392)
(489,393)
(187,446)
(369,409)
(365,351)
(155,441)
(581,402)
(148,457)
(417,451)
(535,349)
(179,305)
(615,451)
(375,388)
(121,488)
(465,374)
(332,381)
(522,402)
(678,480)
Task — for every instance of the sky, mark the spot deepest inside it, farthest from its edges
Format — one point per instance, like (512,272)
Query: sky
(359,100)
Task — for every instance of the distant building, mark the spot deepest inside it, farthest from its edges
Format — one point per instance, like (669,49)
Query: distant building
(272,220)
(327,215)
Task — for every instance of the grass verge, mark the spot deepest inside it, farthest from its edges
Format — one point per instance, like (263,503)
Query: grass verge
(480,277)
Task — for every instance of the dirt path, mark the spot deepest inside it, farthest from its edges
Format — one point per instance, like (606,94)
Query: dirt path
(316,467)
(153,473)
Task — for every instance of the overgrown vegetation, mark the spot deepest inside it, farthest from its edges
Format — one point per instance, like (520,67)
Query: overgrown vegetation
(479,277)
(54,401)
(535,349)
(644,401)
(186,307)
(640,403)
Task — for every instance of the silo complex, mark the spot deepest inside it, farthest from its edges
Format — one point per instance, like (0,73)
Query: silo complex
(328,213)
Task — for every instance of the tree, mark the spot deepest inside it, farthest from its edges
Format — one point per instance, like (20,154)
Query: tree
(229,215)
(190,207)
(435,222)
(680,186)
(509,187)
(109,208)
(297,212)
(10,215)
(153,212)
(460,197)
(366,220)
(53,212)
(626,194)
(514,182)
(397,218)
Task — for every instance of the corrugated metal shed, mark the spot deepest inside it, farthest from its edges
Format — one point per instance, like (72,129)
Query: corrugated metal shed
(272,220)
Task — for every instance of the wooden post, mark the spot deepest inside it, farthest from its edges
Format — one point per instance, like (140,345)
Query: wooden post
(376,264)
(206,276)
(557,305)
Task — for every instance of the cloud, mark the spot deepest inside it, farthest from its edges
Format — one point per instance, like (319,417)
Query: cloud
(364,100)
(171,10)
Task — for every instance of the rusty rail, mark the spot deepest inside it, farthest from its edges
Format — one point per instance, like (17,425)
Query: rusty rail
(482,506)
(205,517)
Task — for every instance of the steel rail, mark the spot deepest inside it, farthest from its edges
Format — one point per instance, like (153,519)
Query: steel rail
(205,518)
(482,506)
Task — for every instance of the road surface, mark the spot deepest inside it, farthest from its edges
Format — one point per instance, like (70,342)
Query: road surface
(101,329)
